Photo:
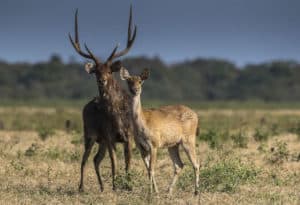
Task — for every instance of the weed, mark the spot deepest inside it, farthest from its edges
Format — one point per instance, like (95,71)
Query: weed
(77,138)
(53,153)
(262,147)
(74,156)
(214,139)
(240,139)
(295,129)
(226,176)
(45,132)
(31,151)
(127,181)
(278,153)
(17,165)
(260,135)
(274,129)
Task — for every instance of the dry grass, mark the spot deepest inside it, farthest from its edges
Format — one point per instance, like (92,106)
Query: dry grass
(49,172)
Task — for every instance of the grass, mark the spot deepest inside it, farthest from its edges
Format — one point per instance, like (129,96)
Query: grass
(236,168)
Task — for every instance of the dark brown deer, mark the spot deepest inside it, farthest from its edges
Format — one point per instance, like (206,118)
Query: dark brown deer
(106,118)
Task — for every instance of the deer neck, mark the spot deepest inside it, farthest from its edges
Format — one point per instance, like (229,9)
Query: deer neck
(137,111)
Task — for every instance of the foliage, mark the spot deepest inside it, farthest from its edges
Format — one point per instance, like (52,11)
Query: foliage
(45,132)
(31,151)
(128,180)
(278,153)
(296,129)
(240,139)
(226,175)
(260,135)
(221,176)
(204,79)
(214,138)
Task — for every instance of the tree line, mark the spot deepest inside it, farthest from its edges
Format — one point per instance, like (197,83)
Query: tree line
(193,80)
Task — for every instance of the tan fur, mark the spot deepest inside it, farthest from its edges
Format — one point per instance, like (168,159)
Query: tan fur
(165,127)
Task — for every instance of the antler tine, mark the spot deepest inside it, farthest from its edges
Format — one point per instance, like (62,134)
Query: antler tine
(76,44)
(130,39)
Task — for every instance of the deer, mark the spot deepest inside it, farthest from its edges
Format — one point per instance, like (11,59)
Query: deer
(164,127)
(105,118)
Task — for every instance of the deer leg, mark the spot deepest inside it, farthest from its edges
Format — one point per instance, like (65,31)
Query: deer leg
(151,168)
(88,144)
(190,150)
(112,155)
(177,163)
(97,160)
(127,154)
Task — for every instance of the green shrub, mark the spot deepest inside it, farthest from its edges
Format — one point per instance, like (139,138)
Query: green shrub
(214,139)
(31,151)
(45,132)
(240,139)
(53,153)
(260,135)
(274,129)
(262,147)
(77,138)
(222,176)
(226,176)
(129,180)
(278,153)
(295,129)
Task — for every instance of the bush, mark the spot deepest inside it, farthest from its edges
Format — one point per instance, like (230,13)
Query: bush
(226,176)
(278,153)
(45,132)
(127,181)
(222,176)
(295,129)
(214,139)
(240,139)
(260,135)
(31,151)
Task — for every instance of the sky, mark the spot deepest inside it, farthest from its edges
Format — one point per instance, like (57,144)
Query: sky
(242,31)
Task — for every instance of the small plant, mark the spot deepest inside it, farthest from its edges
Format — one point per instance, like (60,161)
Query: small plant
(262,148)
(279,153)
(77,138)
(260,135)
(240,139)
(214,139)
(74,156)
(45,132)
(275,129)
(296,130)
(226,176)
(31,151)
(17,165)
(127,181)
(53,153)
(223,176)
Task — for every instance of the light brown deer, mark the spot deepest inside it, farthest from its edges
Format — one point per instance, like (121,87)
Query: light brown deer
(106,117)
(165,127)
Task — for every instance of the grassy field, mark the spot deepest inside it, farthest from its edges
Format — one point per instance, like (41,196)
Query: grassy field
(248,154)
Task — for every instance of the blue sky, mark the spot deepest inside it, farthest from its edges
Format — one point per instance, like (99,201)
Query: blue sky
(242,31)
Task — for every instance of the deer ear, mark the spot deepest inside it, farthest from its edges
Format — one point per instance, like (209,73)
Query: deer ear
(89,67)
(116,66)
(145,74)
(124,74)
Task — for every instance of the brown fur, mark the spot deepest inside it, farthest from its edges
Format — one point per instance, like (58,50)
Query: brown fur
(165,127)
(106,117)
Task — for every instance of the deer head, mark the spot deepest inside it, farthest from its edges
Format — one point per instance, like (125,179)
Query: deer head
(134,82)
(103,70)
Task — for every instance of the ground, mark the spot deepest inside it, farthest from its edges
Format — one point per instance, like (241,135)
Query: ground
(247,157)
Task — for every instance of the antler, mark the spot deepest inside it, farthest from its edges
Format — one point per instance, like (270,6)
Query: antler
(130,40)
(76,44)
